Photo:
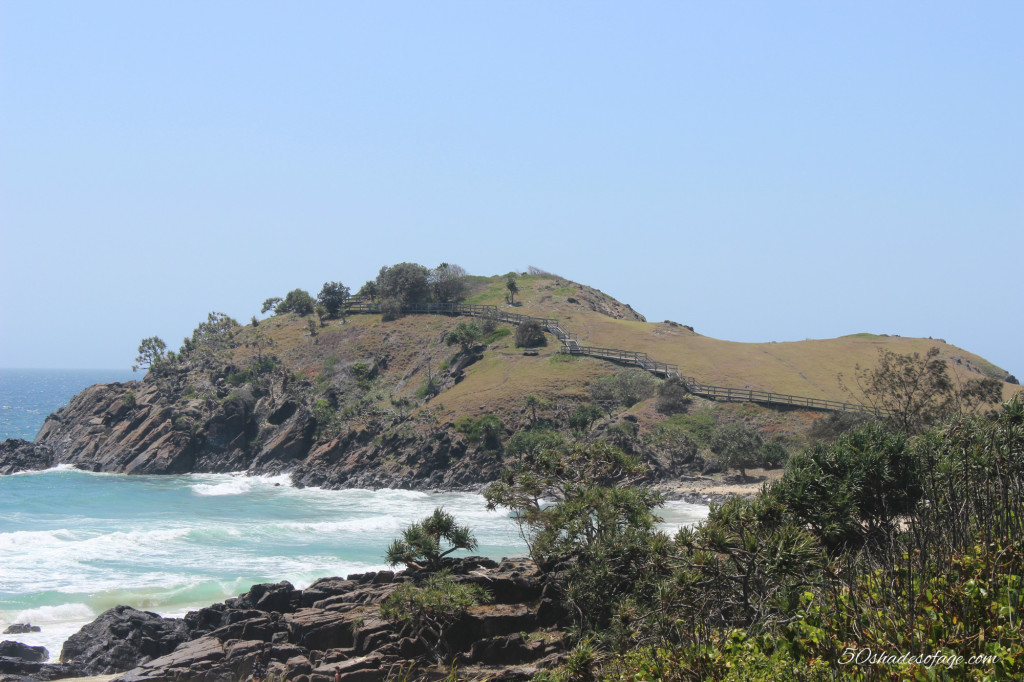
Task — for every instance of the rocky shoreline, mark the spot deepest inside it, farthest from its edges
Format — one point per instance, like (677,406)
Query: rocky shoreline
(306,635)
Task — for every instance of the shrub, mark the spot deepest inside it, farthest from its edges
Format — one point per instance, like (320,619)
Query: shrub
(737,446)
(420,544)
(581,502)
(466,334)
(328,422)
(270,303)
(853,490)
(447,282)
(151,353)
(495,334)
(333,297)
(487,429)
(623,389)
(774,454)
(429,611)
(583,417)
(673,397)
(390,309)
(529,334)
(532,443)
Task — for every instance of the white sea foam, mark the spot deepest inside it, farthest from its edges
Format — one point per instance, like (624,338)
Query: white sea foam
(232,487)
(62,613)
(677,514)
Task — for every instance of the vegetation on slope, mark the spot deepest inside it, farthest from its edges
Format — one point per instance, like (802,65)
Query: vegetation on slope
(877,556)
(398,384)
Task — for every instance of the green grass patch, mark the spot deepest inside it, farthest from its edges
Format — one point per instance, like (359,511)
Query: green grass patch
(499,333)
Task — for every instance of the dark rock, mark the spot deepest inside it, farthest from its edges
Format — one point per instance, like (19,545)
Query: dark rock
(358,669)
(320,629)
(19,670)
(325,588)
(191,661)
(207,620)
(24,652)
(20,455)
(508,650)
(21,628)
(281,597)
(121,639)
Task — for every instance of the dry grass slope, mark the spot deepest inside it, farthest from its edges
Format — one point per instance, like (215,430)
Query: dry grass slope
(500,382)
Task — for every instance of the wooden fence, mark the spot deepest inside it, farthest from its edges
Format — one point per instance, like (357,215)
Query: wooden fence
(571,345)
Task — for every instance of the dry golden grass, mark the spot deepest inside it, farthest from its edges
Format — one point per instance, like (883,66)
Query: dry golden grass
(500,382)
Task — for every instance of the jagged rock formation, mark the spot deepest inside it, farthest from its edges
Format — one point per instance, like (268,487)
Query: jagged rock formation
(20,455)
(334,624)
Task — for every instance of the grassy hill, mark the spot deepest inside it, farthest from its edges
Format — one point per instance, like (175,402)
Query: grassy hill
(404,352)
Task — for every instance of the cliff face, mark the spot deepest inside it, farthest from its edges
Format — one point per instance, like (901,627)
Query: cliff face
(185,421)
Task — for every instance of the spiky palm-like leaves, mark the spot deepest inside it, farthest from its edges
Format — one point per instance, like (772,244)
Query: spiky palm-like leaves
(420,544)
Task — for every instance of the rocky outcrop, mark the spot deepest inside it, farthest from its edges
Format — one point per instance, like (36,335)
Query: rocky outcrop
(24,652)
(20,455)
(21,628)
(185,421)
(334,624)
(23,663)
(122,638)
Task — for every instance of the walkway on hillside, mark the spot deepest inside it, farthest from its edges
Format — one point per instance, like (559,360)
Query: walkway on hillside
(572,346)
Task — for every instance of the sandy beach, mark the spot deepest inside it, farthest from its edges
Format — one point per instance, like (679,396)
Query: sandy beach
(718,487)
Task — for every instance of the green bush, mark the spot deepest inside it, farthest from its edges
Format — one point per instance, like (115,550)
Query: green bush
(427,612)
(582,502)
(530,334)
(774,455)
(420,544)
(532,443)
(390,309)
(494,334)
(673,397)
(853,490)
(487,429)
(296,301)
(583,417)
(465,334)
(737,446)
(623,389)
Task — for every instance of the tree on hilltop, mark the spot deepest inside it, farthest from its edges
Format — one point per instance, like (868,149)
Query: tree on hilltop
(406,282)
(270,303)
(447,283)
(151,353)
(513,289)
(333,297)
(297,301)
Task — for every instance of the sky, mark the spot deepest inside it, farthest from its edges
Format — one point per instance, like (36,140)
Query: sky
(760,171)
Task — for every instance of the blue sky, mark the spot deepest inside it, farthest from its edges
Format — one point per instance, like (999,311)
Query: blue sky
(761,171)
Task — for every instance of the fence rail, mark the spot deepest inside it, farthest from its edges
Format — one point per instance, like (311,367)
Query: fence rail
(571,345)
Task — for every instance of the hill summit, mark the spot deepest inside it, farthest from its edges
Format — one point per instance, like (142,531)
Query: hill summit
(383,389)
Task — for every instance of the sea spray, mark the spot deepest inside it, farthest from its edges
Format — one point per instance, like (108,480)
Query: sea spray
(76,543)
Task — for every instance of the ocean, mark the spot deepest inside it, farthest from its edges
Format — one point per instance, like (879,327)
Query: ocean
(73,543)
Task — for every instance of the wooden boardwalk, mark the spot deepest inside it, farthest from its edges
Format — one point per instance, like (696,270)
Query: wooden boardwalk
(572,346)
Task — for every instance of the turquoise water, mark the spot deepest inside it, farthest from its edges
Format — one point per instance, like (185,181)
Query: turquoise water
(73,544)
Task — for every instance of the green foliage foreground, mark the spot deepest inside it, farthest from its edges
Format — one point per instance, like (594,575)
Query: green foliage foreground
(878,557)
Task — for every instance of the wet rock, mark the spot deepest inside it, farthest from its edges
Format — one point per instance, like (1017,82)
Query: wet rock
(20,455)
(21,628)
(123,638)
(24,652)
